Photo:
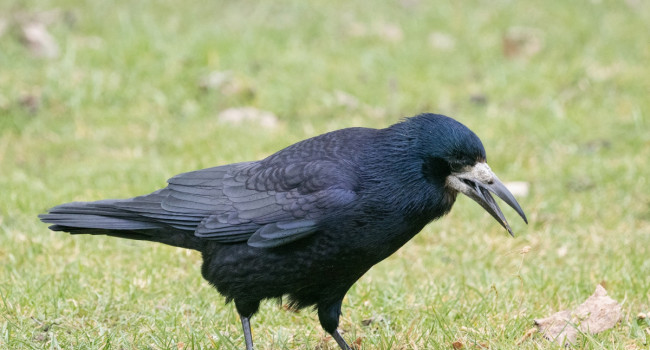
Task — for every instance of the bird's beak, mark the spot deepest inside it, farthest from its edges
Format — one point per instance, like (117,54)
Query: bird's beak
(477,182)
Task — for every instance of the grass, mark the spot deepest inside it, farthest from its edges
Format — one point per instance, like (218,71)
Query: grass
(120,110)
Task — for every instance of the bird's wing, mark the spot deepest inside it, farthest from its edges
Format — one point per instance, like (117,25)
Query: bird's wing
(267,205)
(186,201)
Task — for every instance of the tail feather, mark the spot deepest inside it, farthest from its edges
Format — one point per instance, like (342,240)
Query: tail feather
(124,219)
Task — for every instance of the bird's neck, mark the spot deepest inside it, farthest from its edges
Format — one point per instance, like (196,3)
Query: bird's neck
(394,172)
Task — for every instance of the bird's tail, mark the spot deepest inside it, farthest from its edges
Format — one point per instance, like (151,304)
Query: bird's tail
(115,218)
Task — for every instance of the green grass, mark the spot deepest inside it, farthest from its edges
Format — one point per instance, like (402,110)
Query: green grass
(120,110)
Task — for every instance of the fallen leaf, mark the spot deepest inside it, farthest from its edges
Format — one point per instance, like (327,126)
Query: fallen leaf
(598,313)
(458,344)
(238,116)
(357,343)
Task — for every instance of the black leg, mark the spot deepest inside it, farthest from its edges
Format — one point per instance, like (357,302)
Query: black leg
(339,340)
(248,337)
(246,310)
(329,314)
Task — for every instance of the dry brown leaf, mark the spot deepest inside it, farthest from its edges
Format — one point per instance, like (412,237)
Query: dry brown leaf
(458,344)
(357,343)
(598,313)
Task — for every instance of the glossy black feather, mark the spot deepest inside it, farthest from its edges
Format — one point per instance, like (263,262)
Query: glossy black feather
(307,221)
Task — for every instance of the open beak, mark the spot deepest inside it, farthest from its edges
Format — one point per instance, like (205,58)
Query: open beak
(477,182)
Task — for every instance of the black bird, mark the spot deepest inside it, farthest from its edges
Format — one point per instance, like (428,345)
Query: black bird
(308,221)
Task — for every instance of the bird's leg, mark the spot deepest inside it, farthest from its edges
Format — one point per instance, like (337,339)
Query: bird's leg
(246,310)
(329,314)
(339,340)
(248,337)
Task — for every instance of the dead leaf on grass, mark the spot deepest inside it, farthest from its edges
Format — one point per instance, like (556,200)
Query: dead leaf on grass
(356,344)
(598,313)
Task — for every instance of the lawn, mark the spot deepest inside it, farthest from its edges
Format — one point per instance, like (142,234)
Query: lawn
(133,92)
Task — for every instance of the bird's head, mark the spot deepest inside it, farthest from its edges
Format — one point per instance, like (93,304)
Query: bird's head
(454,153)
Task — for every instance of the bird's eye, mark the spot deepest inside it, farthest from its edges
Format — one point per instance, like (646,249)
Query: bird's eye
(456,166)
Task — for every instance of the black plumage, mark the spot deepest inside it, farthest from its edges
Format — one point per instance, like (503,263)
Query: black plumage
(308,221)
